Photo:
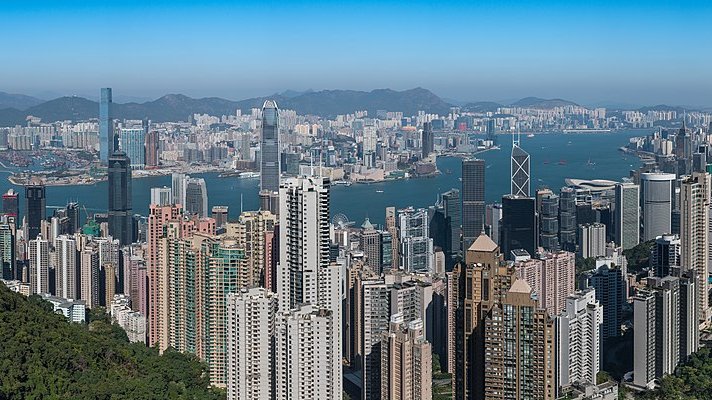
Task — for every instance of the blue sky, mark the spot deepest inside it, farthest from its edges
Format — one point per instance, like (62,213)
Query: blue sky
(638,52)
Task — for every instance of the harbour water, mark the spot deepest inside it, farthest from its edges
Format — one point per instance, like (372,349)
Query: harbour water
(554,157)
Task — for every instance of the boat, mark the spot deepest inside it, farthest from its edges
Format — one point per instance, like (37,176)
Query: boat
(379,191)
(563,162)
(531,135)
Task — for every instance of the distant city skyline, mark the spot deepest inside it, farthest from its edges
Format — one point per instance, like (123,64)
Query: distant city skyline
(635,53)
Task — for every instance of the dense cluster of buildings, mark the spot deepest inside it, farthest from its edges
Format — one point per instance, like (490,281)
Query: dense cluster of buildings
(286,302)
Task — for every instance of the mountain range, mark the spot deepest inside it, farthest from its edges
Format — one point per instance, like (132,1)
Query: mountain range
(14,108)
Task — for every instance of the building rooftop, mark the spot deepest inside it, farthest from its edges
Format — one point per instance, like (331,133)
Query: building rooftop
(483,243)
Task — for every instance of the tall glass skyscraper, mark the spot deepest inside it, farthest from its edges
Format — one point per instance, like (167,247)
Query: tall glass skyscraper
(473,200)
(107,139)
(269,148)
(120,210)
(133,144)
(35,208)
(520,170)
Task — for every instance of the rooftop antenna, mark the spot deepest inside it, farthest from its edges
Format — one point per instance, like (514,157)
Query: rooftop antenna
(321,170)
(240,203)
(517,137)
(311,163)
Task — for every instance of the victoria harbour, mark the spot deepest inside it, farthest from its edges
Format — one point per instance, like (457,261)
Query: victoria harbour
(555,157)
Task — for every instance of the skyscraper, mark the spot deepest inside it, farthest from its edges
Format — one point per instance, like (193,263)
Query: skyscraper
(578,339)
(473,200)
(107,139)
(251,344)
(161,196)
(11,204)
(567,218)
(65,267)
(416,246)
(514,327)
(694,231)
(178,182)
(7,250)
(657,192)
(305,365)
(406,361)
(304,239)
(520,170)
(196,197)
(133,142)
(665,255)
(120,210)
(427,141)
(592,240)
(39,265)
(35,208)
(152,148)
(665,328)
(548,209)
(453,215)
(610,286)
(627,215)
(269,148)
(519,228)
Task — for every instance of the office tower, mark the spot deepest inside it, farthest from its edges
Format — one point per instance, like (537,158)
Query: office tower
(158,274)
(178,182)
(107,140)
(39,265)
(11,204)
(269,148)
(627,215)
(548,220)
(656,192)
(552,276)
(427,142)
(304,239)
(136,279)
(161,196)
(8,270)
(250,344)
(665,329)
(133,142)
(406,361)
(89,274)
(370,244)
(35,208)
(493,221)
(120,210)
(511,328)
(152,148)
(251,231)
(453,215)
(416,246)
(519,229)
(694,235)
(592,240)
(65,267)
(578,339)
(520,170)
(473,200)
(196,197)
(304,362)
(665,255)
(72,212)
(491,132)
(610,286)
(567,218)
(219,214)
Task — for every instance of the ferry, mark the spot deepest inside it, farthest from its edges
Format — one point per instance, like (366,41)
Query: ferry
(379,191)
(249,175)
(531,135)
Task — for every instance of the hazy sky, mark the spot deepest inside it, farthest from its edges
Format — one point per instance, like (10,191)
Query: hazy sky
(639,52)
